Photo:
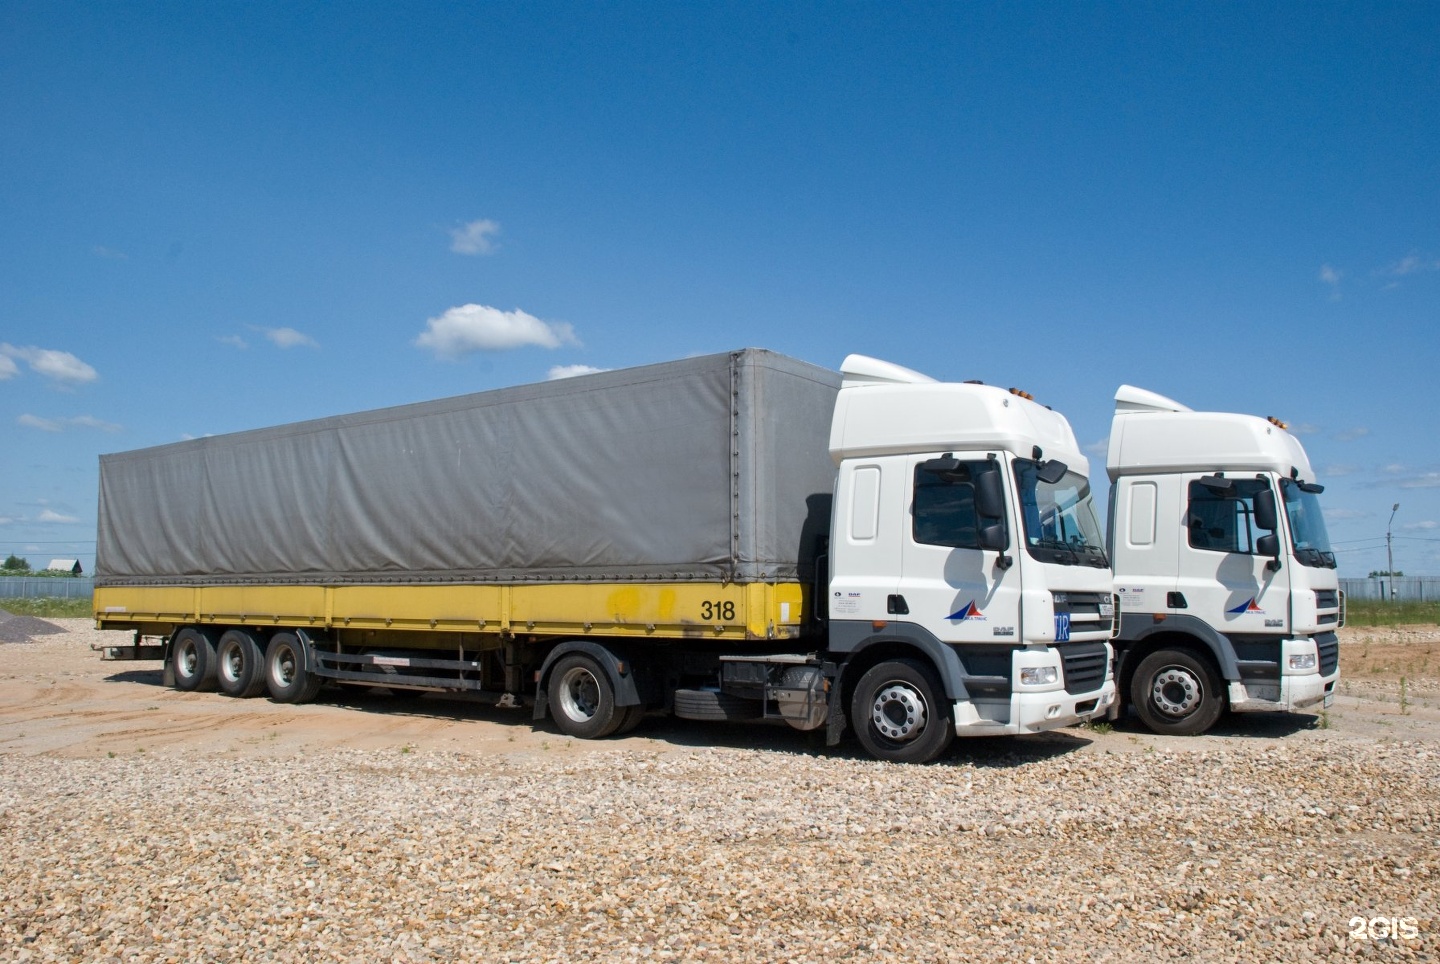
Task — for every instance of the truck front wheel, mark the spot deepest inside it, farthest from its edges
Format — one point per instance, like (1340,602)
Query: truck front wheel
(898,713)
(582,699)
(192,654)
(1176,693)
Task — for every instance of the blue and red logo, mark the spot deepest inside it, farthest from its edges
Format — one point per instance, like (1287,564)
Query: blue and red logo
(967,611)
(1246,609)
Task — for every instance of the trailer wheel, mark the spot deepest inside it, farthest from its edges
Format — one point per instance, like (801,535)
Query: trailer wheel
(286,675)
(898,713)
(582,699)
(240,666)
(192,654)
(1176,693)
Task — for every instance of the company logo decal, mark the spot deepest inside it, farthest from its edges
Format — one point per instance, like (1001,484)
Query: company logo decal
(967,611)
(1248,608)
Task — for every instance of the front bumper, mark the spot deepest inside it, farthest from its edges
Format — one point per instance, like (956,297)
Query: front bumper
(1294,690)
(1032,712)
(1292,693)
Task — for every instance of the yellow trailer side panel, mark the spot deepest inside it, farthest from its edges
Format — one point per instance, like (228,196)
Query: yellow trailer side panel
(653,610)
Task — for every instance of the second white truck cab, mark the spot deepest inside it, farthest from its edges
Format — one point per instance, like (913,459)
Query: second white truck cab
(964,537)
(1226,579)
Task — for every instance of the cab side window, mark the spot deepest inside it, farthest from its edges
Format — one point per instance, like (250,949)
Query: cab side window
(944,508)
(1224,521)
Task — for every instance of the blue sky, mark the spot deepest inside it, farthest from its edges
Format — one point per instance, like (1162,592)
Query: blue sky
(220,216)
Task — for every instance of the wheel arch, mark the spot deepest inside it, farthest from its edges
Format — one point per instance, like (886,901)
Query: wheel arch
(617,666)
(904,642)
(1185,633)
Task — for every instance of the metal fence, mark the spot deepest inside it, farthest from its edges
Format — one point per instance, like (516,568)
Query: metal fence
(46,587)
(1401,588)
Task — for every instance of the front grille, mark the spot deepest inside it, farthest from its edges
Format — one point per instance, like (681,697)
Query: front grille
(1329,646)
(1084,609)
(1325,601)
(1085,666)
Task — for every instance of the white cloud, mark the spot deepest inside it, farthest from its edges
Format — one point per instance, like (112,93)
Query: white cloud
(471,328)
(571,371)
(60,366)
(8,368)
(1411,264)
(1337,514)
(35,421)
(475,237)
(61,424)
(50,515)
(110,254)
(1425,526)
(1304,428)
(234,341)
(1430,480)
(1099,449)
(1335,471)
(1331,276)
(1351,434)
(286,337)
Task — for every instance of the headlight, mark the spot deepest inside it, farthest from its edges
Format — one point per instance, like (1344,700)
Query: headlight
(1302,661)
(1037,675)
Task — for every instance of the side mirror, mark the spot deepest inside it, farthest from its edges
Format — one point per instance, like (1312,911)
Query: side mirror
(1052,471)
(1269,545)
(993,537)
(1265,510)
(990,493)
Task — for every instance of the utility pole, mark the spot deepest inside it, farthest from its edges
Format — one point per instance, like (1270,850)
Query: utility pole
(1389,550)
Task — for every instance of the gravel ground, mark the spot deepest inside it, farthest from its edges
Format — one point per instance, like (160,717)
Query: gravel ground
(534,847)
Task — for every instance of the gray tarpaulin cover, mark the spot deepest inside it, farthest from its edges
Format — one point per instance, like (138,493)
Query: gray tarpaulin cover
(711,468)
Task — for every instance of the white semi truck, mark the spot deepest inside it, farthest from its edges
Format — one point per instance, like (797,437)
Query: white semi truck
(676,538)
(1227,582)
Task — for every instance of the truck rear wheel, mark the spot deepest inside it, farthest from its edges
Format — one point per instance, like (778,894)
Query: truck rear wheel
(287,676)
(582,699)
(240,666)
(1176,693)
(192,654)
(898,714)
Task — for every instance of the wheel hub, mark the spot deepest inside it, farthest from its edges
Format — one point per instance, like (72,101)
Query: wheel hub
(580,695)
(1176,692)
(898,712)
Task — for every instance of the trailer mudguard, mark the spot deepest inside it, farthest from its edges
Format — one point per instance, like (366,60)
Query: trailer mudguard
(617,669)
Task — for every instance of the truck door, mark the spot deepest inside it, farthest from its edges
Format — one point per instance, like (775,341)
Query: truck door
(950,584)
(1226,576)
(865,548)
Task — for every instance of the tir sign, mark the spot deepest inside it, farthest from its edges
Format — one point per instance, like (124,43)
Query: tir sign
(1062,627)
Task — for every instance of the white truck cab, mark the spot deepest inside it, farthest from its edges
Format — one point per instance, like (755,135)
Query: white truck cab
(1227,583)
(965,546)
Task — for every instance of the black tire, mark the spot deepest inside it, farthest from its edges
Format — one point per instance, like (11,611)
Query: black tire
(633,716)
(716,706)
(582,701)
(287,672)
(900,714)
(1176,693)
(239,664)
(192,655)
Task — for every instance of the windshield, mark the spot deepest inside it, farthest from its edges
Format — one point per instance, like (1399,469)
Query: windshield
(1060,521)
(1307,525)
